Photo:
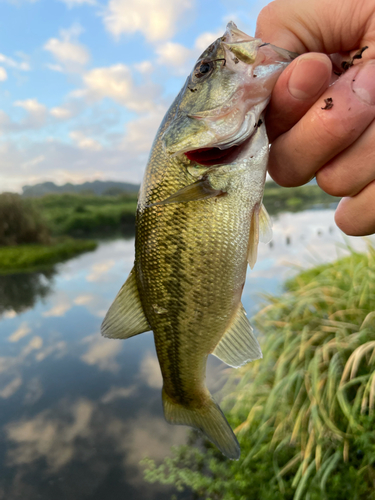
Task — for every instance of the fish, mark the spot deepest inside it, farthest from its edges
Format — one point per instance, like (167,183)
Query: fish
(198,223)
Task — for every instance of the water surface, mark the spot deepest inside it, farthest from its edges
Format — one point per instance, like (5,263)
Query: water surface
(78,412)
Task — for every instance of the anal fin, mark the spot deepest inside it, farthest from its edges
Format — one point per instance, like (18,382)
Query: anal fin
(238,345)
(125,318)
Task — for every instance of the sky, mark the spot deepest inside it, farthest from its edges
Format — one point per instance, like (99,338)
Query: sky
(84,84)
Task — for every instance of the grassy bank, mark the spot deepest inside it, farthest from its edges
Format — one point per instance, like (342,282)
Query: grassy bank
(304,415)
(32,257)
(85,215)
(91,215)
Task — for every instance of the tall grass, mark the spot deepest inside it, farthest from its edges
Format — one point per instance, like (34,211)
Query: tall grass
(83,215)
(20,222)
(304,414)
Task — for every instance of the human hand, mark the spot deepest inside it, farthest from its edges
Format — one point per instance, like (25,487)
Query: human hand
(338,144)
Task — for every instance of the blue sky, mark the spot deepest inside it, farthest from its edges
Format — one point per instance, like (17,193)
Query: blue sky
(84,84)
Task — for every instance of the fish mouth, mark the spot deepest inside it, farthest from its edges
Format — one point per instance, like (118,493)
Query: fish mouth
(209,157)
(212,156)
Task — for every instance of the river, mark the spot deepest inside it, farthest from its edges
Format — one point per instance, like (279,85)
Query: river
(78,412)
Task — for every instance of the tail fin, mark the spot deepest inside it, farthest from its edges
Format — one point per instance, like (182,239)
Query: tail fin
(209,419)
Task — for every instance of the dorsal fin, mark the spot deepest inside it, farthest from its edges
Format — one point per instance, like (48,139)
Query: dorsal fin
(125,318)
(238,345)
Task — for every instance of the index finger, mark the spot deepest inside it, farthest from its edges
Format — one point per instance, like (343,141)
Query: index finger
(318,25)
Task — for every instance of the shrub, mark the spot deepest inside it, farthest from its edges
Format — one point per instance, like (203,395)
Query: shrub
(20,222)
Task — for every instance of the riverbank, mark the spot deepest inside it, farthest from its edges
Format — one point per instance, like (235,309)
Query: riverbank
(87,214)
(31,257)
(93,215)
(304,414)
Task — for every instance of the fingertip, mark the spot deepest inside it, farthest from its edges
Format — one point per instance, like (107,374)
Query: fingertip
(310,76)
(344,219)
(355,216)
(297,89)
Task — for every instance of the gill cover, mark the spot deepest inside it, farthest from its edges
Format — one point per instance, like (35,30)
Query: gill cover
(225,93)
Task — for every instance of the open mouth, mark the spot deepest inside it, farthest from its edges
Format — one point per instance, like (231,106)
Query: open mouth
(213,156)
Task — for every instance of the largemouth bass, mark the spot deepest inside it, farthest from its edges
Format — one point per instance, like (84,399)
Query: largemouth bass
(199,220)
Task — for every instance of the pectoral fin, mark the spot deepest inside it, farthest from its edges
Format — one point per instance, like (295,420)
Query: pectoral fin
(125,318)
(265,225)
(260,229)
(239,345)
(200,190)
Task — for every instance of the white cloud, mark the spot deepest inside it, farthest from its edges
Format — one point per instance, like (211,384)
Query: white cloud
(150,371)
(55,67)
(61,113)
(37,113)
(8,61)
(21,332)
(101,352)
(75,3)
(180,59)
(32,106)
(28,162)
(156,19)
(48,437)
(173,55)
(205,39)
(60,304)
(11,388)
(67,50)
(116,82)
(141,132)
(100,270)
(3,74)
(85,142)
(144,67)
(115,393)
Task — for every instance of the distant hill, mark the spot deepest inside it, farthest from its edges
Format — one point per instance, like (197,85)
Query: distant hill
(96,187)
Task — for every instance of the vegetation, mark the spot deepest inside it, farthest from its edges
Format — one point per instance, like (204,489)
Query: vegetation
(33,256)
(304,414)
(25,241)
(20,222)
(83,215)
(92,215)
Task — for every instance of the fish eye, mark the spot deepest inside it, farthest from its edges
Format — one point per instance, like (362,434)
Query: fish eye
(203,69)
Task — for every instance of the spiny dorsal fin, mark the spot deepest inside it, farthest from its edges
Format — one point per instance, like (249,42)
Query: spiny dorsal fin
(200,190)
(238,345)
(125,318)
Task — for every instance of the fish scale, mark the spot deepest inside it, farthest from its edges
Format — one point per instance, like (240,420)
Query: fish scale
(198,225)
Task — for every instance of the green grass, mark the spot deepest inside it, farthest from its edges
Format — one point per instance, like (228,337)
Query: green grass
(33,257)
(77,214)
(305,414)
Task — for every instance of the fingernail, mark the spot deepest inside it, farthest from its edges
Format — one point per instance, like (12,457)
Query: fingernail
(309,76)
(363,84)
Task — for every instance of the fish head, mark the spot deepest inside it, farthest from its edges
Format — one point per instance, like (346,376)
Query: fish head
(225,94)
